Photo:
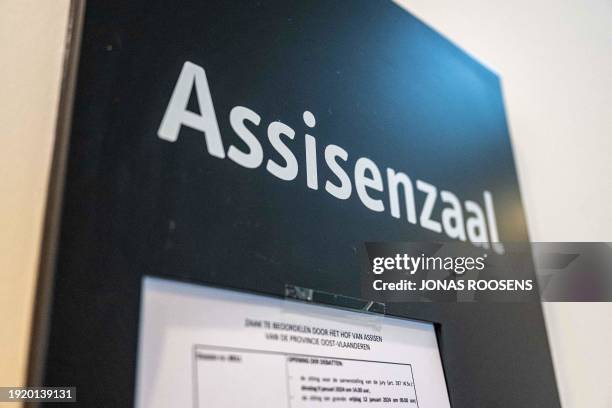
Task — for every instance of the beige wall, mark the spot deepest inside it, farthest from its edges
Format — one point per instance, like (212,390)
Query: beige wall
(32,34)
(555,61)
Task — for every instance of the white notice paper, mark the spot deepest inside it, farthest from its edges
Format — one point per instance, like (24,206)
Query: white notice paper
(215,348)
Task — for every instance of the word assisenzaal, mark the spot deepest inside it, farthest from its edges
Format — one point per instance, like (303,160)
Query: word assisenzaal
(476,225)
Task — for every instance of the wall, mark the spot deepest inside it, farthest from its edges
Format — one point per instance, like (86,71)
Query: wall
(32,34)
(555,61)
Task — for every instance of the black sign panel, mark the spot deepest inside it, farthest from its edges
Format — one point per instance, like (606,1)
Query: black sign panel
(258,144)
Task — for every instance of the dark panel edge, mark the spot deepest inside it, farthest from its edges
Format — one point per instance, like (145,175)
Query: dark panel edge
(53,207)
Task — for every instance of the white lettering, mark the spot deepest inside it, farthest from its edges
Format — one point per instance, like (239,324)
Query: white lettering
(343,191)
(254,157)
(428,206)
(177,113)
(290,170)
(362,182)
